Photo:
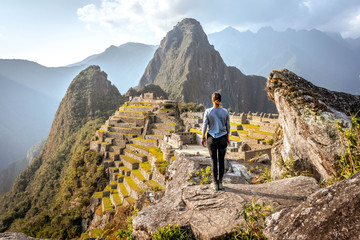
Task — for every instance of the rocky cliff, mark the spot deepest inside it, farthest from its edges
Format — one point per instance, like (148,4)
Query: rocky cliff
(189,69)
(330,213)
(308,137)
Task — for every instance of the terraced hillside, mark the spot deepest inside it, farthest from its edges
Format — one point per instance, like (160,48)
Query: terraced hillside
(129,142)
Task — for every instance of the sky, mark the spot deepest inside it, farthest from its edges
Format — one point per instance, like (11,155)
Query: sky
(61,32)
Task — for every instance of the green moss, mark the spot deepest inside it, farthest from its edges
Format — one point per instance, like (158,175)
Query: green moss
(129,159)
(124,192)
(97,195)
(116,198)
(194,130)
(129,111)
(107,204)
(243,131)
(114,182)
(130,200)
(136,154)
(146,166)
(262,132)
(236,139)
(107,188)
(173,124)
(133,185)
(138,174)
(143,139)
(154,186)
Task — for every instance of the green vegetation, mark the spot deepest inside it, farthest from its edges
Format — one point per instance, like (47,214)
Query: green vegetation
(154,186)
(143,139)
(116,198)
(138,174)
(191,107)
(107,204)
(173,232)
(97,195)
(254,217)
(264,177)
(270,141)
(194,130)
(262,132)
(54,191)
(287,167)
(160,163)
(125,233)
(133,185)
(234,138)
(123,190)
(349,162)
(146,166)
(202,176)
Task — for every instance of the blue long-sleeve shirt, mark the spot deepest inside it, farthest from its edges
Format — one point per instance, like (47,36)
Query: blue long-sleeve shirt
(218,122)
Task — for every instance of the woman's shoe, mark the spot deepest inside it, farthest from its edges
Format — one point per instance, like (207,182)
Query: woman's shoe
(220,187)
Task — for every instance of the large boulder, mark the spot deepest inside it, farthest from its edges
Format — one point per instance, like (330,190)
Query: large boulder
(308,114)
(330,213)
(213,214)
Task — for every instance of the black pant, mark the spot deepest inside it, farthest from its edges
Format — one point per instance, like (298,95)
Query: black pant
(217,150)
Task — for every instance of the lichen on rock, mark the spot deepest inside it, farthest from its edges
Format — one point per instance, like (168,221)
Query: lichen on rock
(308,115)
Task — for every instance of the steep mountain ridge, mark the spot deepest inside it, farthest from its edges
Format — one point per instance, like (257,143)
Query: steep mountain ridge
(55,188)
(315,55)
(189,69)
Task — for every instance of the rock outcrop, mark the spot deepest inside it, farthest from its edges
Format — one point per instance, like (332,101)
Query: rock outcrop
(308,116)
(189,69)
(330,213)
(213,214)
(16,236)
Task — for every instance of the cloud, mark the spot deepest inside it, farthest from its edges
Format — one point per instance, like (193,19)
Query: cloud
(153,18)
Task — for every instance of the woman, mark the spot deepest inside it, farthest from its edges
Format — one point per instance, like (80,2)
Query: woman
(217,119)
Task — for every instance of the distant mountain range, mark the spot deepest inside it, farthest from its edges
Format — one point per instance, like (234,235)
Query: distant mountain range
(30,93)
(327,60)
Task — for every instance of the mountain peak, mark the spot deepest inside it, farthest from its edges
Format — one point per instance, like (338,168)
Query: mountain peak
(189,69)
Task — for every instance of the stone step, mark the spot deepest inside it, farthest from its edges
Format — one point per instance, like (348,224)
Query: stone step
(137,148)
(116,149)
(122,191)
(164,119)
(154,186)
(129,162)
(139,121)
(125,171)
(120,142)
(107,205)
(114,156)
(129,201)
(171,126)
(104,147)
(108,163)
(106,191)
(109,140)
(145,109)
(158,131)
(112,171)
(137,156)
(113,185)
(105,127)
(116,176)
(146,170)
(134,190)
(124,113)
(154,137)
(121,136)
(133,130)
(118,164)
(115,199)
(123,124)
(139,103)
(138,178)
(145,142)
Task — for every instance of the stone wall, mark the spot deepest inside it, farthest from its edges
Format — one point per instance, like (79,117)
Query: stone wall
(254,153)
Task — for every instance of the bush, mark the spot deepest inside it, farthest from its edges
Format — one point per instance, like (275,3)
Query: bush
(172,232)
(254,216)
(202,176)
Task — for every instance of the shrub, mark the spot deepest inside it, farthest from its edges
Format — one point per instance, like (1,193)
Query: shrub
(202,176)
(254,216)
(172,232)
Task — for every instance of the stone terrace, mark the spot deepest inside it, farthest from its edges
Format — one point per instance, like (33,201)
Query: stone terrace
(129,142)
